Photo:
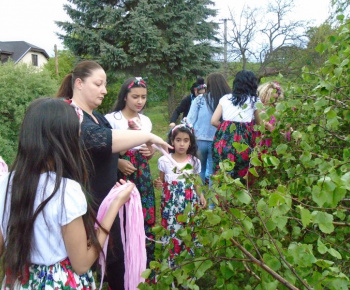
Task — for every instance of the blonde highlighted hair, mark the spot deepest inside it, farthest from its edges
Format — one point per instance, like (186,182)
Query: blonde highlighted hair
(267,90)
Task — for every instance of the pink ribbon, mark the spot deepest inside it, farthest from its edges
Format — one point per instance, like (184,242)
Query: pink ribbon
(133,239)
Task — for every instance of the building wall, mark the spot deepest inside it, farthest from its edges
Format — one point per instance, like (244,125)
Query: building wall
(28,58)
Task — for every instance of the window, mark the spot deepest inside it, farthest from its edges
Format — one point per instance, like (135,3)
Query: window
(35,59)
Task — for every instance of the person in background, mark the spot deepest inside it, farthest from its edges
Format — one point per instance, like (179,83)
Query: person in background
(177,191)
(197,88)
(85,89)
(270,93)
(199,116)
(238,109)
(48,238)
(133,164)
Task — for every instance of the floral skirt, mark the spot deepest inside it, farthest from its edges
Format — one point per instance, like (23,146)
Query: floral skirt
(143,181)
(175,198)
(223,146)
(57,276)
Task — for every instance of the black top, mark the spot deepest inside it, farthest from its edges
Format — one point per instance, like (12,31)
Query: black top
(103,169)
(97,139)
(183,108)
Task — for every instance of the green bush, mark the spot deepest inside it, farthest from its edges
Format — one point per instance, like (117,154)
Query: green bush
(19,85)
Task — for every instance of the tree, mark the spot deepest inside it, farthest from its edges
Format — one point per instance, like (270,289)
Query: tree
(19,85)
(279,31)
(243,33)
(166,40)
(66,61)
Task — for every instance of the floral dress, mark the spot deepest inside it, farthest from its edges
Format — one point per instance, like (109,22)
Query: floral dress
(238,126)
(57,276)
(176,195)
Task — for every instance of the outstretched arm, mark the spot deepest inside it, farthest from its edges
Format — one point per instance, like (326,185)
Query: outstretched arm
(125,139)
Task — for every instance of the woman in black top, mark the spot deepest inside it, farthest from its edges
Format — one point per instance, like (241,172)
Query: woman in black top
(85,89)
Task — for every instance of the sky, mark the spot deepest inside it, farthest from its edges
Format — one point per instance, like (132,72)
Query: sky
(34,21)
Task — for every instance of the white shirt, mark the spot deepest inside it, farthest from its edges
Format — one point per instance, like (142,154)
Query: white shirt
(118,121)
(237,113)
(166,166)
(64,207)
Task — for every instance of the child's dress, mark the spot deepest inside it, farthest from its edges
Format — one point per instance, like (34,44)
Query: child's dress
(176,195)
(49,266)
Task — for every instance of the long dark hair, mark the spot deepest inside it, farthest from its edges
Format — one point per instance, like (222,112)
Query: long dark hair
(48,142)
(245,86)
(193,149)
(217,87)
(82,70)
(125,89)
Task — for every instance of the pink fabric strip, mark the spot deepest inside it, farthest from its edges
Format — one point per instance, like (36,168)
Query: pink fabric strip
(134,238)
(3,167)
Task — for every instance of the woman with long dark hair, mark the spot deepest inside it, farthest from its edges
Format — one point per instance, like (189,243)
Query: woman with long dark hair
(47,232)
(239,113)
(201,111)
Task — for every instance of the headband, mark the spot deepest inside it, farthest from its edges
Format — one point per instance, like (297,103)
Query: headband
(185,125)
(139,81)
(203,86)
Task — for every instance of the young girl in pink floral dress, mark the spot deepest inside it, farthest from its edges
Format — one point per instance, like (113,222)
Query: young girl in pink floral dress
(177,193)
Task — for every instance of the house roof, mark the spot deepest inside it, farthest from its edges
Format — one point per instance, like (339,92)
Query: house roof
(18,49)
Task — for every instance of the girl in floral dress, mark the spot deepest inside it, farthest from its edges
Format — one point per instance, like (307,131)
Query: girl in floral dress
(237,110)
(133,164)
(48,238)
(177,193)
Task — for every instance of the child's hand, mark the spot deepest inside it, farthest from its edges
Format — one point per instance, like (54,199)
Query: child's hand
(126,167)
(203,201)
(158,183)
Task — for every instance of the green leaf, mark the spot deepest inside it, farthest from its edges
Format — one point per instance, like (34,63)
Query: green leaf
(275,161)
(321,247)
(226,272)
(324,221)
(276,199)
(240,147)
(255,161)
(145,274)
(305,216)
(324,263)
(334,253)
(296,135)
(281,149)
(253,172)
(214,219)
(243,196)
(228,234)
(232,127)
(202,267)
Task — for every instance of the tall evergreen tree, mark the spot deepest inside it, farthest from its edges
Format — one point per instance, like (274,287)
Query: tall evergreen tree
(166,39)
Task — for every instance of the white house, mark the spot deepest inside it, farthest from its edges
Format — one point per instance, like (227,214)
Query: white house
(23,52)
